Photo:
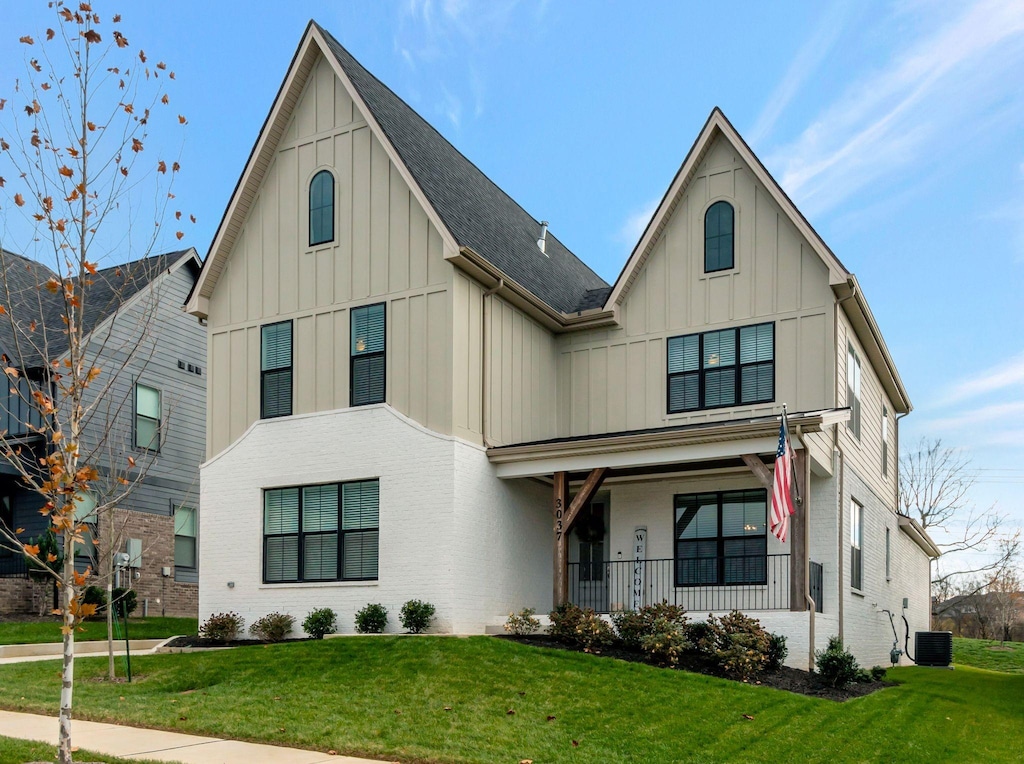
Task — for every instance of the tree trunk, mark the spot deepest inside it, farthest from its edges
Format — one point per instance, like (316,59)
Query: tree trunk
(110,606)
(68,671)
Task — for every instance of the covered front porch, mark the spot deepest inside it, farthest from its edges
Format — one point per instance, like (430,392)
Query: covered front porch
(678,515)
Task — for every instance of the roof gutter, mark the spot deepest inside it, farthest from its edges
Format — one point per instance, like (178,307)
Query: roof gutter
(920,536)
(508,288)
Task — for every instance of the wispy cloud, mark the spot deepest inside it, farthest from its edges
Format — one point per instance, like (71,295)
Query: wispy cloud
(1003,413)
(886,119)
(433,31)
(633,226)
(999,377)
(807,60)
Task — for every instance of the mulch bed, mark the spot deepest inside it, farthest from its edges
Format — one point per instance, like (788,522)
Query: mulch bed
(197,641)
(786,678)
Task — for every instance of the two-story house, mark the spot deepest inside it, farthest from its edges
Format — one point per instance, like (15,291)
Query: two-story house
(148,404)
(417,391)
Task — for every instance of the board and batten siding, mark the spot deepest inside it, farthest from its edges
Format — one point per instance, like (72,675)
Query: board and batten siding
(521,373)
(864,454)
(385,250)
(613,380)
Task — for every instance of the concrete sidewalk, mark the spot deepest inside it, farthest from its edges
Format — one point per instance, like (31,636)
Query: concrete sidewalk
(136,743)
(49,651)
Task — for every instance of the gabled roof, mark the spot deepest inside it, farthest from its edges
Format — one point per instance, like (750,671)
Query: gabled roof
(469,208)
(22,289)
(843,282)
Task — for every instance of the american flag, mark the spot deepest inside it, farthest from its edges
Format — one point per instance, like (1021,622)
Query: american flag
(782,499)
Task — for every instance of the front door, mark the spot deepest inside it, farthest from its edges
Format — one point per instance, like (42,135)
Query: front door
(588,568)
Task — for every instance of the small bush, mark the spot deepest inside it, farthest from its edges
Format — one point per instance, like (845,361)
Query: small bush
(878,673)
(372,619)
(634,627)
(94,595)
(222,627)
(777,652)
(416,616)
(666,642)
(738,644)
(701,638)
(319,622)
(836,665)
(273,627)
(564,620)
(125,601)
(522,623)
(593,632)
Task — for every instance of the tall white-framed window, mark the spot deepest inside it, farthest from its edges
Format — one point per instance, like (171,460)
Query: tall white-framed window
(185,533)
(888,556)
(856,545)
(853,389)
(885,441)
(147,417)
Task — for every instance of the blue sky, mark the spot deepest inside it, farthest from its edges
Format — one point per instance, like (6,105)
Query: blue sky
(897,127)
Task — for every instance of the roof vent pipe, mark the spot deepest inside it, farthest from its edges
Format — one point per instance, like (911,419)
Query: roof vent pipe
(542,241)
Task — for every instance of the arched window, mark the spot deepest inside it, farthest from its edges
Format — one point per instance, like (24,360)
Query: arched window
(718,237)
(321,208)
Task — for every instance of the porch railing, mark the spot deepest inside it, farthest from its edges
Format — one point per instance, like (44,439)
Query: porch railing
(758,582)
(13,566)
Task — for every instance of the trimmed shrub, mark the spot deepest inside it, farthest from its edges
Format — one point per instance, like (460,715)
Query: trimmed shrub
(564,620)
(125,601)
(372,619)
(738,644)
(701,638)
(319,622)
(273,627)
(222,627)
(878,673)
(777,652)
(666,642)
(836,665)
(416,616)
(94,595)
(522,623)
(593,632)
(633,627)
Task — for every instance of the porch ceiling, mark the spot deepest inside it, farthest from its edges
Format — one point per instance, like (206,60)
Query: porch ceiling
(704,442)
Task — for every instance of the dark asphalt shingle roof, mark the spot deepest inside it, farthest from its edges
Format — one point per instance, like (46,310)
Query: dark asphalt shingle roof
(24,295)
(478,214)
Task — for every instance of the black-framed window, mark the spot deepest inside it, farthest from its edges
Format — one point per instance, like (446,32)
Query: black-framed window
(321,532)
(719,225)
(86,551)
(853,377)
(185,534)
(321,208)
(729,367)
(276,370)
(856,545)
(147,417)
(721,538)
(6,520)
(367,355)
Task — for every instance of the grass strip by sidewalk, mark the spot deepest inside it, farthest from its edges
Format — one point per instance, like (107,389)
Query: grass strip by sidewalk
(12,750)
(35,632)
(481,699)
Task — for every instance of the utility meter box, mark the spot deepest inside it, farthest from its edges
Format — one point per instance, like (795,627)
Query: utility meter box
(134,549)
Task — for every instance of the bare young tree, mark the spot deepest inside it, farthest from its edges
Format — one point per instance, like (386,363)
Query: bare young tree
(79,184)
(935,483)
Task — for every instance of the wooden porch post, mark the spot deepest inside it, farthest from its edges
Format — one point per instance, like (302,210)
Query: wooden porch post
(798,538)
(564,516)
(561,505)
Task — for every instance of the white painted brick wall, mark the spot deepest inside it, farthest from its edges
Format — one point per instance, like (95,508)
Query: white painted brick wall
(451,532)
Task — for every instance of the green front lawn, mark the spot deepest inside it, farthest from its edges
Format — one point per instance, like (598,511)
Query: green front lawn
(33,632)
(444,699)
(989,654)
(12,750)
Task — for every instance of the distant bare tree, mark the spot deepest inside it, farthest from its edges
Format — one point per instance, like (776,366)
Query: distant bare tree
(935,484)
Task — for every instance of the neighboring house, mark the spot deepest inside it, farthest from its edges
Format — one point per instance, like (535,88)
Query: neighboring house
(153,412)
(417,391)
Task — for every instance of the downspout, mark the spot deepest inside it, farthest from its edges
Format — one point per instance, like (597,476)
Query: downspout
(485,408)
(840,501)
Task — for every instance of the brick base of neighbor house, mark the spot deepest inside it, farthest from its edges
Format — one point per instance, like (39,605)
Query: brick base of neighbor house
(158,595)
